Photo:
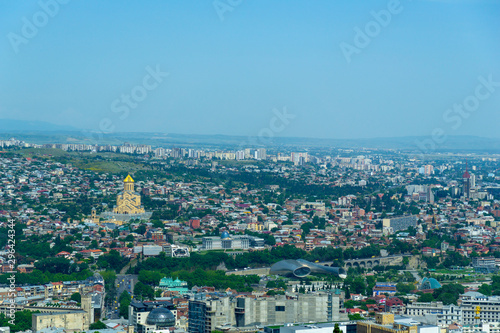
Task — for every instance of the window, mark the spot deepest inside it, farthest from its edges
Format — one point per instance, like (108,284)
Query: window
(280,308)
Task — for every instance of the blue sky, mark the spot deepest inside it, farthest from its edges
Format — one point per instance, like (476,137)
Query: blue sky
(226,76)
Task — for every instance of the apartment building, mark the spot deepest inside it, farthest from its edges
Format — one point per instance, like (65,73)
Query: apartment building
(435,313)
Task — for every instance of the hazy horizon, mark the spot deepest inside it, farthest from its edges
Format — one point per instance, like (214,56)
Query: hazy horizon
(382,69)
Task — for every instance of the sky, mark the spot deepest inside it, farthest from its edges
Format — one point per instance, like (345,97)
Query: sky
(323,69)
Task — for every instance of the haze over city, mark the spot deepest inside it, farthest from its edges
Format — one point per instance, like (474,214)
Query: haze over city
(340,69)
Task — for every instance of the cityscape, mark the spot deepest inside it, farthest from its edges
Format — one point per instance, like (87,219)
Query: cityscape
(231,166)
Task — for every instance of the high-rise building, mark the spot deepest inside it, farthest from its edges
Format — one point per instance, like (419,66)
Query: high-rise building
(472,180)
(160,152)
(192,153)
(428,170)
(207,314)
(240,155)
(299,158)
(260,154)
(248,153)
(175,153)
(466,182)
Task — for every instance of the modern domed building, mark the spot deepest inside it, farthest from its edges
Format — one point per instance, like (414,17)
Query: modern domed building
(301,268)
(429,283)
(161,318)
(153,316)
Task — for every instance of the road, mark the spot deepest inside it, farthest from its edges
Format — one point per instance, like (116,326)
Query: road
(123,283)
(132,263)
(414,273)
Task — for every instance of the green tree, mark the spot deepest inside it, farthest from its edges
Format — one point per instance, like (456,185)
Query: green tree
(98,325)
(124,300)
(76,297)
(404,287)
(347,293)
(449,293)
(485,289)
(358,285)
(337,328)
(355,316)
(22,321)
(143,291)
(425,298)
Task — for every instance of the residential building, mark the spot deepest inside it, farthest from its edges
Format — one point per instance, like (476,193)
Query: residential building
(400,223)
(489,305)
(435,313)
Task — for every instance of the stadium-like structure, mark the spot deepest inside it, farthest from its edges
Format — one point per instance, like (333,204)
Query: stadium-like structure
(301,268)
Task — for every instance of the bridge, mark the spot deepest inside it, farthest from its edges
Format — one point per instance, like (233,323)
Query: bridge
(371,262)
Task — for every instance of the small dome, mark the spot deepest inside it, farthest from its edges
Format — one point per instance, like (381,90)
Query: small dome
(225,235)
(161,317)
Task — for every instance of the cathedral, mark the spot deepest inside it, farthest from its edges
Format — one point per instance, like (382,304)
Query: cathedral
(128,202)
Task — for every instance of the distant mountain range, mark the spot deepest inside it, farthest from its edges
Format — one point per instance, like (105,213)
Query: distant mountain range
(44,132)
(12,125)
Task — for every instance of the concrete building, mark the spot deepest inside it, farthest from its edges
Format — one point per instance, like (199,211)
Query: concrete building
(279,310)
(435,313)
(420,193)
(151,250)
(345,327)
(229,242)
(482,327)
(388,288)
(400,223)
(388,323)
(207,314)
(490,308)
(484,265)
(244,312)
(176,251)
(151,316)
(260,154)
(67,318)
(318,207)
(466,182)
(77,320)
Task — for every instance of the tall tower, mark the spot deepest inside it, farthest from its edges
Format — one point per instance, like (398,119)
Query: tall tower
(87,307)
(128,184)
(466,181)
